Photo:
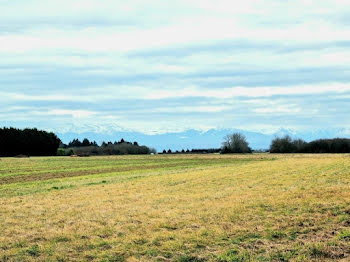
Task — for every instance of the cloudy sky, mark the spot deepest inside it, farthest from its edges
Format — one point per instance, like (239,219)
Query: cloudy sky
(161,66)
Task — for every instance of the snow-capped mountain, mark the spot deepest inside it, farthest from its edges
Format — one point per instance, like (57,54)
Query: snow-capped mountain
(211,138)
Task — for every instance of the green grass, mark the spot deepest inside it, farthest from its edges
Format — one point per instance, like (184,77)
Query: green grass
(176,208)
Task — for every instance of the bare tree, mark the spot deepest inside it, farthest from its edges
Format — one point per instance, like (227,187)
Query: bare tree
(235,143)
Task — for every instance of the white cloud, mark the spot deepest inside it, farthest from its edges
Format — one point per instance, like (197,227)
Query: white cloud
(73,113)
(252,91)
(251,95)
(280,109)
(192,109)
(241,59)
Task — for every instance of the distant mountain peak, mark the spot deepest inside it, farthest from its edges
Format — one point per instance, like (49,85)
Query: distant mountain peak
(192,138)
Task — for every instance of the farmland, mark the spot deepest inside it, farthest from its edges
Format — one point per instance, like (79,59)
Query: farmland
(259,207)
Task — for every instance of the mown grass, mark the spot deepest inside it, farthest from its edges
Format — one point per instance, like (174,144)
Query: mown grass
(176,208)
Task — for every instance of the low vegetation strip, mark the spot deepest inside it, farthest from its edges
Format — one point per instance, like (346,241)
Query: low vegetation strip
(222,208)
(46,172)
(47,176)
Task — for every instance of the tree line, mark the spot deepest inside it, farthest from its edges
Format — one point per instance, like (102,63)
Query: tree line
(87,148)
(237,143)
(288,145)
(30,142)
(34,142)
(193,151)
(233,143)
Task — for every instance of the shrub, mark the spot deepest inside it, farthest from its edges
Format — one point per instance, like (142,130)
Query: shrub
(61,152)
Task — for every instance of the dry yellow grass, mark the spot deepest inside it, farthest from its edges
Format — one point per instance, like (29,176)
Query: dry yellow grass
(238,208)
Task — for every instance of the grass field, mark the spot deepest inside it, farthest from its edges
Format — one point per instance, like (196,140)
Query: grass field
(176,208)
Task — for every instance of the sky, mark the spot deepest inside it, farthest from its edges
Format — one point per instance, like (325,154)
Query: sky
(160,66)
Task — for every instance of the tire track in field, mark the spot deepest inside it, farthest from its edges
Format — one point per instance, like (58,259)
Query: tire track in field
(40,177)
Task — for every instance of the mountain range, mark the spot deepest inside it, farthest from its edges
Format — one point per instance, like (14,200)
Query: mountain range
(198,139)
